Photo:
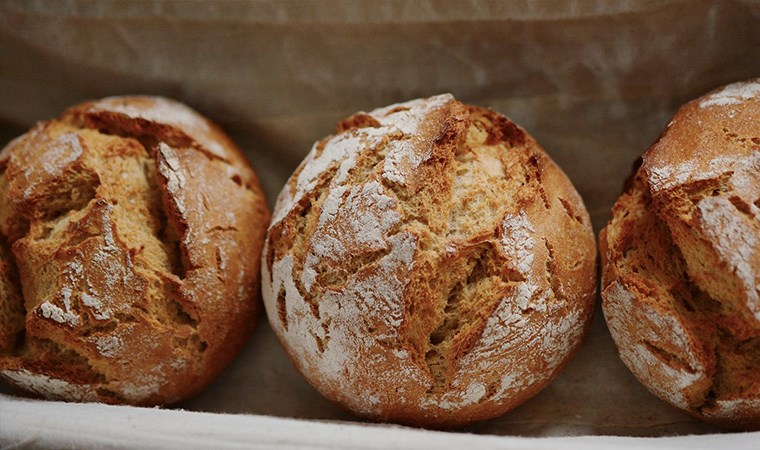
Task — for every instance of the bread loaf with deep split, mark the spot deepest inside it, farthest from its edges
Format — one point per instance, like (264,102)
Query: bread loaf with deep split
(429,264)
(681,261)
(130,237)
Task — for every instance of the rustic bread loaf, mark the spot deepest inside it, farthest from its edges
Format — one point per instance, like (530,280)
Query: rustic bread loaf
(130,239)
(429,265)
(681,261)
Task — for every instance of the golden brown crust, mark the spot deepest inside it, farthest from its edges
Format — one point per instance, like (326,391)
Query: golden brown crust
(429,265)
(681,258)
(136,228)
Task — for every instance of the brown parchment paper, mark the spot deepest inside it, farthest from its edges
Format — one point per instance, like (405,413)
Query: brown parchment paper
(594,81)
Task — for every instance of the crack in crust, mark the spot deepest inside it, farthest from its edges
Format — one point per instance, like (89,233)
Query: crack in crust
(645,266)
(12,310)
(124,269)
(407,241)
(680,287)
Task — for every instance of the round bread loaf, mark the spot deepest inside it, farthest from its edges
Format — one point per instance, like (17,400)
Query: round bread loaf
(681,261)
(429,265)
(130,242)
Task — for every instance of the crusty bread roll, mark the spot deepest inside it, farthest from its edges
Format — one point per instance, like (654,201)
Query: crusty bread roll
(131,234)
(429,265)
(681,261)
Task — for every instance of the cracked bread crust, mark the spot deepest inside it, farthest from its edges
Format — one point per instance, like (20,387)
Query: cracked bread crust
(130,243)
(429,264)
(681,261)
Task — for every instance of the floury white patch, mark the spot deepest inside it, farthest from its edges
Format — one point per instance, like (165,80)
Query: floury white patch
(733,94)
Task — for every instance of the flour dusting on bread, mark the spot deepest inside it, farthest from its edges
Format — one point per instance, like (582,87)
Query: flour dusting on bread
(681,291)
(130,236)
(733,94)
(403,268)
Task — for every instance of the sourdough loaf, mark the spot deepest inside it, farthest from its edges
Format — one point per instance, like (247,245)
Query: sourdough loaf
(429,264)
(681,261)
(130,237)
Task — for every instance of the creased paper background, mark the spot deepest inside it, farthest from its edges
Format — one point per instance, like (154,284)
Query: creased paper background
(594,81)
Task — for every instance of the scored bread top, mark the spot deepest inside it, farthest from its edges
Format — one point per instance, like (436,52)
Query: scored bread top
(705,178)
(131,234)
(429,264)
(682,261)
